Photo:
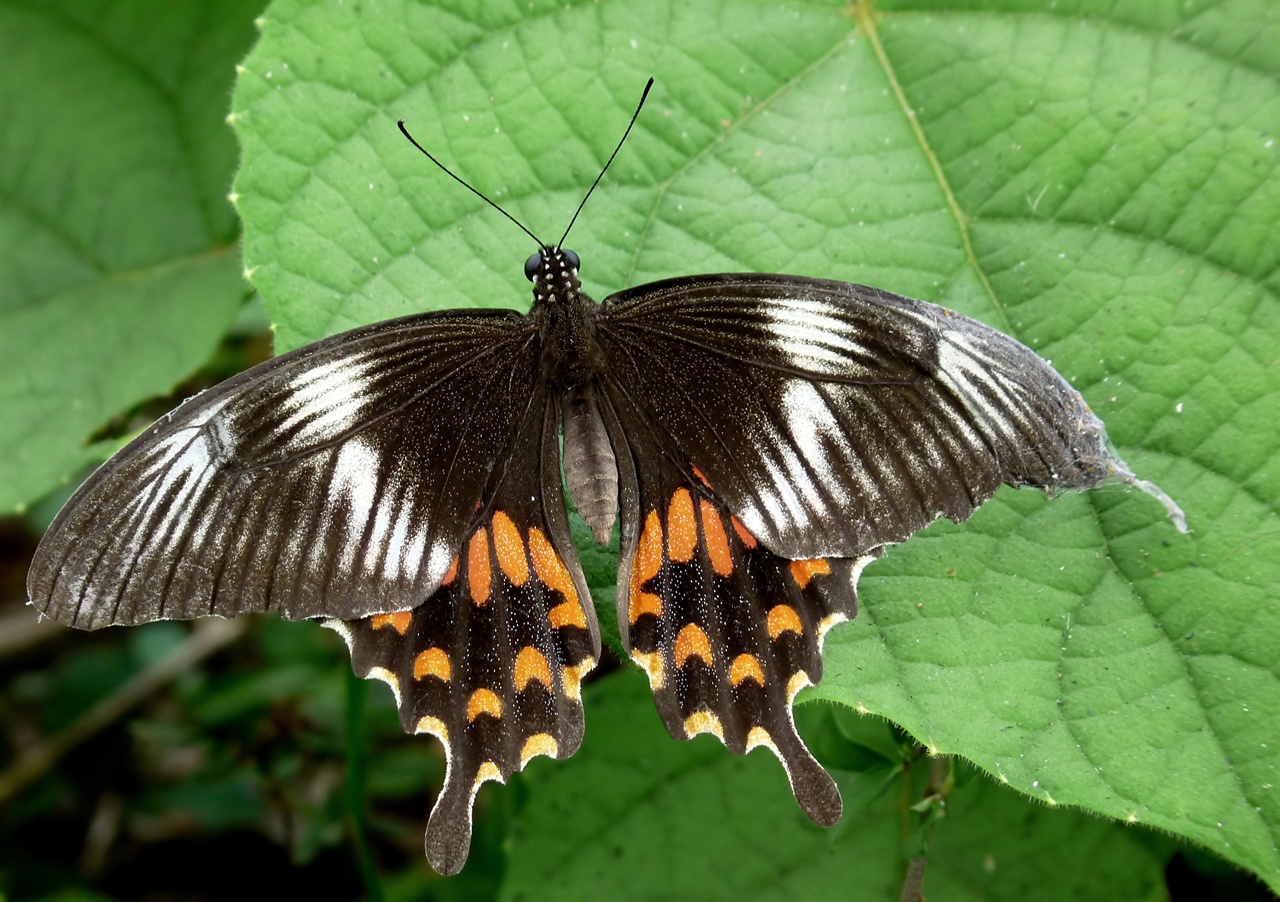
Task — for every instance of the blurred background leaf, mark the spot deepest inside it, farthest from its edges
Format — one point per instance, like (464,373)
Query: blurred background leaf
(120,270)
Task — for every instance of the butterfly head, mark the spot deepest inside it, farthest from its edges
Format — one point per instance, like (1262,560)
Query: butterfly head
(554,274)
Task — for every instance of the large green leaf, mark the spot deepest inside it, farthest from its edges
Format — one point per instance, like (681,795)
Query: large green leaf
(119,268)
(1098,180)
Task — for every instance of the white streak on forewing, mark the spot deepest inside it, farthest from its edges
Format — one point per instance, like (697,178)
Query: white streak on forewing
(438,559)
(200,528)
(812,338)
(325,401)
(191,468)
(177,449)
(812,426)
(390,507)
(414,549)
(374,563)
(777,493)
(398,543)
(958,419)
(962,366)
(810,419)
(160,455)
(354,484)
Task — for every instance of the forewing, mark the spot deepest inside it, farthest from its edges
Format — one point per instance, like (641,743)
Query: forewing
(727,631)
(491,663)
(336,480)
(833,418)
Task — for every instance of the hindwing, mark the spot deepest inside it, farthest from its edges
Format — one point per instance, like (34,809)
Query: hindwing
(298,485)
(727,631)
(491,663)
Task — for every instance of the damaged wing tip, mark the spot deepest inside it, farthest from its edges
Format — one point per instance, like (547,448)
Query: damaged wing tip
(1170,506)
(1120,471)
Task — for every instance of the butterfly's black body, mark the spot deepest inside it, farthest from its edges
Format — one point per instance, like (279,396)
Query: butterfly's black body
(762,438)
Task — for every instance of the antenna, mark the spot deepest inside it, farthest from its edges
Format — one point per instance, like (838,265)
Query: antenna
(634,117)
(447,171)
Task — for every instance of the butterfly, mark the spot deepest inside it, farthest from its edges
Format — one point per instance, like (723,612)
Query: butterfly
(759,439)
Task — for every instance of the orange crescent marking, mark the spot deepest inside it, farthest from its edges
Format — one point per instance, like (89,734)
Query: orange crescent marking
(717,539)
(783,618)
(692,641)
(510,548)
(644,603)
(479,576)
(803,571)
(644,567)
(682,528)
(703,722)
(452,573)
(483,701)
(432,662)
(398,621)
(698,473)
(567,613)
(648,560)
(550,569)
(531,664)
(539,744)
(746,667)
(747,539)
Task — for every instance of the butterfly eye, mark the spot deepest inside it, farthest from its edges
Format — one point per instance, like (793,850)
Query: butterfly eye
(532,265)
(571,258)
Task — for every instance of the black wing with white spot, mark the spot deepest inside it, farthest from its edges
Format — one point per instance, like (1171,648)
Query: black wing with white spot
(337,480)
(834,418)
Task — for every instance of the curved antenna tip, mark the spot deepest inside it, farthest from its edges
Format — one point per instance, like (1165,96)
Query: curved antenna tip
(449,172)
(634,116)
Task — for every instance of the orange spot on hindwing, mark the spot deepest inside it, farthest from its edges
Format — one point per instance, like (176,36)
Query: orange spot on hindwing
(452,573)
(701,478)
(531,664)
(432,662)
(483,701)
(479,576)
(682,528)
(746,667)
(783,619)
(567,613)
(692,641)
(550,569)
(398,621)
(717,539)
(555,575)
(803,571)
(644,567)
(510,549)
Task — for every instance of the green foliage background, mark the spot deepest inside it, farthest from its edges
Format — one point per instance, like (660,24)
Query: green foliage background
(1097,179)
